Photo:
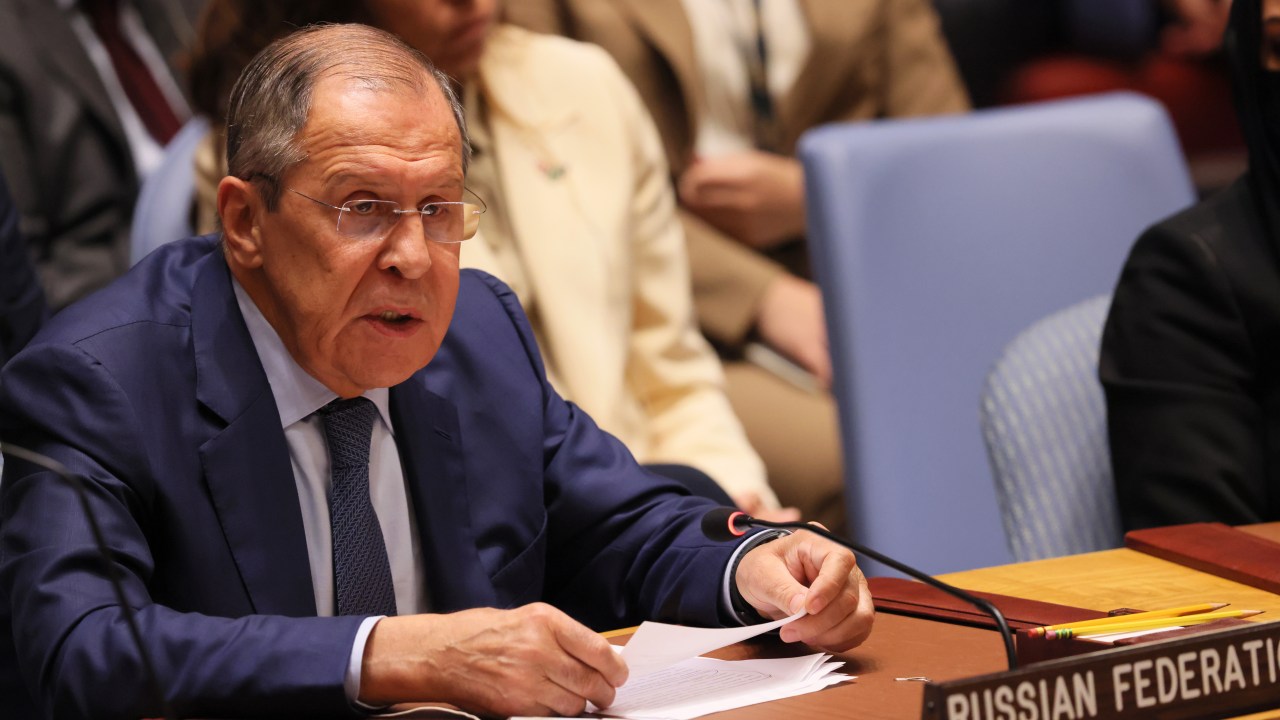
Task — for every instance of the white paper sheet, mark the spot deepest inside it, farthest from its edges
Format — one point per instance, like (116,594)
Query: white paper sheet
(655,646)
(699,686)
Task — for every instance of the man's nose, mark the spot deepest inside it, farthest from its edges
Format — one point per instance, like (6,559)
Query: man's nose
(407,251)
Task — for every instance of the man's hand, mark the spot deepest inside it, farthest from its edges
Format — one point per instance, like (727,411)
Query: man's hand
(755,197)
(806,572)
(533,660)
(791,321)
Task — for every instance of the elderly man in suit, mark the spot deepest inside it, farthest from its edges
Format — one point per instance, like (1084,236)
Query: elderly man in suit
(308,517)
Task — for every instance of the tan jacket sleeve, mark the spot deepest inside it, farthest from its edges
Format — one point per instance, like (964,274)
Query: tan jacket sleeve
(922,75)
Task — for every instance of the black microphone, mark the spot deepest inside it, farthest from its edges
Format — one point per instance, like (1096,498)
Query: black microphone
(728,524)
(113,573)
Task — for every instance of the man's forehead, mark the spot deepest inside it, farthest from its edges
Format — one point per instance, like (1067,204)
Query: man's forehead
(350,117)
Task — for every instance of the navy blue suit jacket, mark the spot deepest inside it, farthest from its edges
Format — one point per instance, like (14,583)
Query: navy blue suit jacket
(153,391)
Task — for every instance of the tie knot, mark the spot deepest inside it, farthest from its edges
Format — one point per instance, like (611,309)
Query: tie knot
(348,426)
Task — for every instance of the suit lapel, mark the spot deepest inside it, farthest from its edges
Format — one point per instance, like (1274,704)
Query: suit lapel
(826,70)
(65,56)
(429,440)
(246,462)
(664,24)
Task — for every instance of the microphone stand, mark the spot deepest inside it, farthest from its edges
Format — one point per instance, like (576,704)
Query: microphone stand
(743,520)
(113,573)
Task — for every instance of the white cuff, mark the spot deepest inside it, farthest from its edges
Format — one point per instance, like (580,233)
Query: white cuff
(351,682)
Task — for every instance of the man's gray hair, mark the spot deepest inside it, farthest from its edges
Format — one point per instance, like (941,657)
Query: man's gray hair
(271,100)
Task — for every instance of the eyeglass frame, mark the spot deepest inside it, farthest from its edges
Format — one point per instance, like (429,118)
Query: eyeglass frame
(400,212)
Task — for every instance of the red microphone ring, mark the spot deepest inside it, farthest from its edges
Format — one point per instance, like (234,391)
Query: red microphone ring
(733,529)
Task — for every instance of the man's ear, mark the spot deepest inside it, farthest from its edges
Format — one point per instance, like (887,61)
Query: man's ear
(241,209)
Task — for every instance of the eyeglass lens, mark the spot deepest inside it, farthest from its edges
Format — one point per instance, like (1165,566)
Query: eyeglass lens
(444,222)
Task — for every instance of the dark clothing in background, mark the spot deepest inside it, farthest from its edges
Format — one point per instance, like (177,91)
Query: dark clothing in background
(62,146)
(21,300)
(1191,366)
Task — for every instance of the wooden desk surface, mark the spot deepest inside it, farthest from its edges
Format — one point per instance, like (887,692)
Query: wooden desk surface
(1124,578)
(1120,578)
(901,646)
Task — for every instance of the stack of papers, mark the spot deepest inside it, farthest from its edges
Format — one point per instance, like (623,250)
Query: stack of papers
(667,680)
(699,686)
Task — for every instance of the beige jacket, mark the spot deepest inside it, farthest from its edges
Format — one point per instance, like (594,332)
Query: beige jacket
(869,59)
(586,192)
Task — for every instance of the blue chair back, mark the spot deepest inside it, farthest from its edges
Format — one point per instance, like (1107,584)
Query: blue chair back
(935,241)
(1044,421)
(163,211)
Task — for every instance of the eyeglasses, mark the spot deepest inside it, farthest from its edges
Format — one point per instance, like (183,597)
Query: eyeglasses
(373,220)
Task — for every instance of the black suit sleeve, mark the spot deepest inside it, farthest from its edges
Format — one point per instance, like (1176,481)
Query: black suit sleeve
(1186,418)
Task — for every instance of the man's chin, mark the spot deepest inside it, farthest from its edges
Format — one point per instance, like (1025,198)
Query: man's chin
(379,373)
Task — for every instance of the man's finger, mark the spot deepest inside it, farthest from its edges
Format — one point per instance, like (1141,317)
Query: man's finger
(558,700)
(592,651)
(835,573)
(581,681)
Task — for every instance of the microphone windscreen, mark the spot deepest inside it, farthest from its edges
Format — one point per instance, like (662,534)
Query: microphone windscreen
(718,525)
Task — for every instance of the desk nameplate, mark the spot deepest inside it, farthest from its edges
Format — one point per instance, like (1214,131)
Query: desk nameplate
(1210,675)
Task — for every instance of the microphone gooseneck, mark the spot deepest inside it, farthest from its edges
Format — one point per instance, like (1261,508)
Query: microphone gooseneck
(728,524)
(113,573)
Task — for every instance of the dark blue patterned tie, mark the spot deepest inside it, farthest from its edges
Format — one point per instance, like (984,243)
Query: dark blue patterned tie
(361,571)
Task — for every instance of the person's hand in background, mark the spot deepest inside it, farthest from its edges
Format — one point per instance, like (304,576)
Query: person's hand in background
(755,197)
(791,321)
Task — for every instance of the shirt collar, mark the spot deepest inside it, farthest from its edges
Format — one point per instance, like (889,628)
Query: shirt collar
(297,394)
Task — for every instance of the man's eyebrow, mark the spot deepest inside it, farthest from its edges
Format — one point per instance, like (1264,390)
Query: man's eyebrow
(348,176)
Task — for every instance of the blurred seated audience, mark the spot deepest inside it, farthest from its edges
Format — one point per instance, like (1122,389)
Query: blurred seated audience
(21,300)
(1191,350)
(88,98)
(580,224)
(732,85)
(1169,49)
(988,38)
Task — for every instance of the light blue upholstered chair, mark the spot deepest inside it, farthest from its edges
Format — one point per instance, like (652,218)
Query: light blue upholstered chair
(937,240)
(1045,425)
(163,211)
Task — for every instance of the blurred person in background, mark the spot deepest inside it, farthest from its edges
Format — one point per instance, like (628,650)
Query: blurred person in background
(90,95)
(732,85)
(581,221)
(1168,49)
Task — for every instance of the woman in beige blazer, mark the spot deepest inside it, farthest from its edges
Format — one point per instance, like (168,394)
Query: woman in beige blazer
(581,224)
(743,212)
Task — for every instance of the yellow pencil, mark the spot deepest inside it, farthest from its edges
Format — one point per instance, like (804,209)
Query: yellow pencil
(1154,624)
(1152,614)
